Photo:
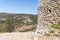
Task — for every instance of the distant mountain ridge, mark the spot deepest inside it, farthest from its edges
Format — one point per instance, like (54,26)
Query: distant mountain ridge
(3,14)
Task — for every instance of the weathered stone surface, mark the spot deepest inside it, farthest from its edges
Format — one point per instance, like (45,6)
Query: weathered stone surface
(48,14)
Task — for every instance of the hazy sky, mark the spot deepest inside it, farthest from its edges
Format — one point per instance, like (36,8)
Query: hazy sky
(19,6)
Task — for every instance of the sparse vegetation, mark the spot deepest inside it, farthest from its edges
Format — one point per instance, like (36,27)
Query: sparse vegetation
(14,21)
(47,34)
(53,29)
(55,26)
(56,35)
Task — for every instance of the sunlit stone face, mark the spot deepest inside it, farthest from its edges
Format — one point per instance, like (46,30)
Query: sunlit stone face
(48,14)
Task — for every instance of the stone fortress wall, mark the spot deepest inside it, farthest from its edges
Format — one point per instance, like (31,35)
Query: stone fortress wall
(48,14)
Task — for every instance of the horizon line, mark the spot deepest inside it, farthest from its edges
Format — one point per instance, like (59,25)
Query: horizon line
(17,13)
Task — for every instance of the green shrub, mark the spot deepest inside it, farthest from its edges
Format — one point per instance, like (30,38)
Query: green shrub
(2,28)
(59,23)
(55,26)
(51,31)
(47,34)
(57,35)
(22,31)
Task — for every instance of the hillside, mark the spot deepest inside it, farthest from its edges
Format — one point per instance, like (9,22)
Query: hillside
(10,22)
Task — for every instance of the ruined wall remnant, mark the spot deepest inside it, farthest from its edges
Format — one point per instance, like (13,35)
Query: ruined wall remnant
(48,14)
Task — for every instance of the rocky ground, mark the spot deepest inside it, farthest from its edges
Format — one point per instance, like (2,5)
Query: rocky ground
(17,36)
(24,36)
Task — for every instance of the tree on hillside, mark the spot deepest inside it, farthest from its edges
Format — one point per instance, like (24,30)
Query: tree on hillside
(10,23)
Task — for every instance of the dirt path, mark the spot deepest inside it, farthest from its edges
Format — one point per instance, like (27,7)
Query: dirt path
(17,36)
